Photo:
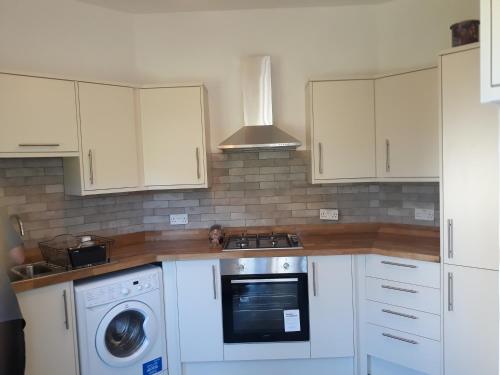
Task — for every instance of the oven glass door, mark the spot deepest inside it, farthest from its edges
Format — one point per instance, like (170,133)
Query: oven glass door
(265,308)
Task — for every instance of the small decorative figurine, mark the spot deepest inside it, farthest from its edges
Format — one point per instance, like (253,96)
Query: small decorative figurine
(215,236)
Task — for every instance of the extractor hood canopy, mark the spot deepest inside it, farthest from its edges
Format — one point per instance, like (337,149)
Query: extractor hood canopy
(258,131)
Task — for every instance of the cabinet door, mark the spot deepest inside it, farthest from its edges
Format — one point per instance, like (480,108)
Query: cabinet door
(470,321)
(173,137)
(470,166)
(109,140)
(343,130)
(50,330)
(490,51)
(330,306)
(407,113)
(200,311)
(495,43)
(38,115)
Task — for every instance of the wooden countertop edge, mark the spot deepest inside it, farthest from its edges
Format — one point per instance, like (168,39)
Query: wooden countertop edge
(137,249)
(143,259)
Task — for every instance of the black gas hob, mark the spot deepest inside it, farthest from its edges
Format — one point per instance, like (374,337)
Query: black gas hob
(262,241)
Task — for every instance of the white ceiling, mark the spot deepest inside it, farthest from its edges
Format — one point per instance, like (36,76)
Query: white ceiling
(163,6)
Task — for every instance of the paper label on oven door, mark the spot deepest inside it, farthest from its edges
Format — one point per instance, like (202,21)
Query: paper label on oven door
(292,320)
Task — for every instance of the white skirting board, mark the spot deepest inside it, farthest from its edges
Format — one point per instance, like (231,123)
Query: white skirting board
(340,366)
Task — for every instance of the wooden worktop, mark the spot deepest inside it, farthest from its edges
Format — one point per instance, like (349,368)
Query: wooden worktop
(404,241)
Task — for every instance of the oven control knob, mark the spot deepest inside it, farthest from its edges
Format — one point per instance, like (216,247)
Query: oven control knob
(125,291)
(286,266)
(241,267)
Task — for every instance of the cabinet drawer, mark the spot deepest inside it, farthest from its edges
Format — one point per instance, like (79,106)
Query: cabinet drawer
(412,321)
(411,351)
(403,295)
(403,270)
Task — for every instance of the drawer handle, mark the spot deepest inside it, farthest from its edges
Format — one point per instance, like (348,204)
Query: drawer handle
(399,289)
(398,264)
(39,144)
(388,335)
(399,314)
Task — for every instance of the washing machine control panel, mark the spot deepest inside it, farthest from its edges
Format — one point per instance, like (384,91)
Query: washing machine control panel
(121,290)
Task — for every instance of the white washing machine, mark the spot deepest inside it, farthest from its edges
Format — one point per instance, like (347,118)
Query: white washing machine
(121,325)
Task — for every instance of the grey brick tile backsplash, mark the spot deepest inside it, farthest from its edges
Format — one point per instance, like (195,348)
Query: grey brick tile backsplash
(248,189)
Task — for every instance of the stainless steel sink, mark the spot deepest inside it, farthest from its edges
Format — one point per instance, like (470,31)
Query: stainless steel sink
(33,270)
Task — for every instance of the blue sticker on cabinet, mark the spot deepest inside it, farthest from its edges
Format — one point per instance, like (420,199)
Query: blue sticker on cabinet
(152,367)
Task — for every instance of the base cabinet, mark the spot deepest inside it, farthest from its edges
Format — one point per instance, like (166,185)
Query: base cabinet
(50,330)
(331,312)
(200,311)
(470,321)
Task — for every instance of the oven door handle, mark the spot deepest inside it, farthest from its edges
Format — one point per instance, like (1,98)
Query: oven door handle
(261,281)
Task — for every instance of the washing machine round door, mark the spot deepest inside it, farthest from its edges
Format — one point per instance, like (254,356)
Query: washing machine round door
(126,333)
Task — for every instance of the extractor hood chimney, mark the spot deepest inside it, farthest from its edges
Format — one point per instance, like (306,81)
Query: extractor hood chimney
(258,132)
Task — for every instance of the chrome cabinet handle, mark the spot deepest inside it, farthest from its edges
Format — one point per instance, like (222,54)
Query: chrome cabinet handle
(388,335)
(398,264)
(91,167)
(451,305)
(315,280)
(399,289)
(320,152)
(198,163)
(387,156)
(450,238)
(39,145)
(214,281)
(66,316)
(399,314)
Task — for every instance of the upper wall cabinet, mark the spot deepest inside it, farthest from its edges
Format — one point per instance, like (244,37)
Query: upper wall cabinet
(38,117)
(109,153)
(384,129)
(341,131)
(173,129)
(407,113)
(490,51)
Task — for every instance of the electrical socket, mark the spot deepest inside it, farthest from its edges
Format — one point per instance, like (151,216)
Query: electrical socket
(329,214)
(178,219)
(424,214)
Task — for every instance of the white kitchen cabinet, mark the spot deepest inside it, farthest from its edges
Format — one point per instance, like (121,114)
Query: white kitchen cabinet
(490,51)
(200,311)
(407,110)
(341,130)
(331,312)
(470,321)
(109,159)
(399,316)
(469,189)
(173,123)
(38,117)
(50,330)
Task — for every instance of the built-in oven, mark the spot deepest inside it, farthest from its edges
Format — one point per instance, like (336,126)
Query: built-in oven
(265,299)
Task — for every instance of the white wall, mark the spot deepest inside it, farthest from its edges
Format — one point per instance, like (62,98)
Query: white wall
(71,38)
(410,33)
(303,43)
(66,37)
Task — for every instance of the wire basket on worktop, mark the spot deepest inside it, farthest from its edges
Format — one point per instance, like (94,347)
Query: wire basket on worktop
(78,251)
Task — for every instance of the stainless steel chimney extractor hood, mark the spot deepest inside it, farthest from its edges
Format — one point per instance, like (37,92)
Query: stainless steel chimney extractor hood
(258,131)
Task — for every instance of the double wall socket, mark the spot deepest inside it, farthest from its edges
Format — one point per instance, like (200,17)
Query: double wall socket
(178,219)
(328,214)
(424,214)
